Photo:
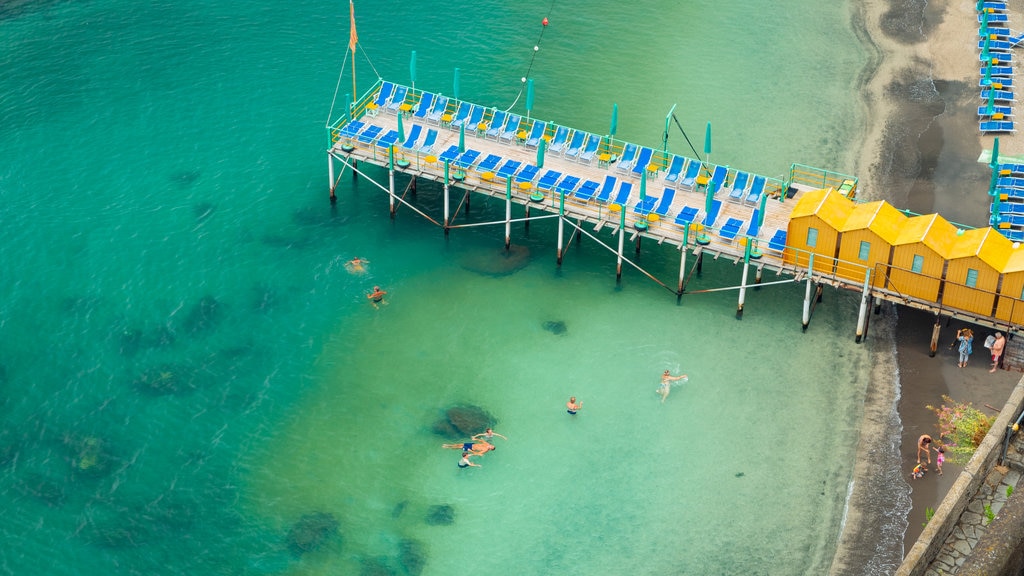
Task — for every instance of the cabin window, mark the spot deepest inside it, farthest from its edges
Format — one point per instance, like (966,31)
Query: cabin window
(812,237)
(865,250)
(918,264)
(972,278)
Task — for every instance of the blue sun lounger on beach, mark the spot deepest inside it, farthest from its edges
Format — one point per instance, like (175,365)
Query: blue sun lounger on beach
(509,168)
(575,144)
(690,178)
(1000,45)
(997,71)
(686,216)
(753,228)
(778,241)
(467,159)
(475,116)
(467,117)
(384,94)
(627,158)
(665,203)
(1010,208)
(675,169)
(398,98)
(712,215)
(548,180)
(461,113)
(414,135)
(731,228)
(994,18)
(438,110)
(1004,110)
(388,139)
(428,143)
(587,191)
(646,205)
(424,105)
(996,5)
(511,128)
(536,133)
(1009,169)
(450,154)
(528,173)
(1004,58)
(352,128)
(567,185)
(756,189)
(489,164)
(622,197)
(607,188)
(739,186)
(590,149)
(643,160)
(1014,193)
(996,126)
(369,134)
(1010,182)
(997,83)
(559,139)
(497,124)
(718,178)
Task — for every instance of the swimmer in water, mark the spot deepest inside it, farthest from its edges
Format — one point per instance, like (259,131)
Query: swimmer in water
(572,406)
(488,435)
(465,462)
(357,265)
(377,296)
(666,383)
(475,448)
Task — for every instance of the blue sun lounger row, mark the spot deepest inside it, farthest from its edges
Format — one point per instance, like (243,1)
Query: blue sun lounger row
(997,71)
(1011,169)
(997,45)
(996,126)
(1001,58)
(997,83)
(1004,110)
(994,18)
(999,95)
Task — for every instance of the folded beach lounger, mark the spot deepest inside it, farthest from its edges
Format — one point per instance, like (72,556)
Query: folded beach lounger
(466,160)
(497,124)
(1010,208)
(476,115)
(450,154)
(622,196)
(996,126)
(1000,45)
(461,114)
(1011,193)
(429,141)
(753,228)
(1015,235)
(424,106)
(590,149)
(731,228)
(739,186)
(997,71)
(712,215)
(511,128)
(646,205)
(548,180)
(997,83)
(369,134)
(718,178)
(1011,169)
(994,18)
(627,158)
(675,169)
(692,171)
(1000,58)
(607,188)
(1010,182)
(536,133)
(489,164)
(384,94)
(352,128)
(388,139)
(528,173)
(397,98)
(587,191)
(778,241)
(509,168)
(558,140)
(567,185)
(756,189)
(1004,110)
(996,5)
(643,160)
(686,216)
(440,106)
(575,144)
(665,203)
(414,135)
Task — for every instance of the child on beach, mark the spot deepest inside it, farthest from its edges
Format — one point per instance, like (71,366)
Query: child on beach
(918,472)
(965,336)
(940,457)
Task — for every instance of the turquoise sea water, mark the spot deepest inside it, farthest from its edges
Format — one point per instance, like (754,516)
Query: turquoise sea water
(187,368)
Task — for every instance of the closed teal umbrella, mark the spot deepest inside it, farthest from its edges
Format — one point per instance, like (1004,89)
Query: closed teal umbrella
(643,186)
(615,121)
(412,69)
(541,147)
(401,128)
(994,164)
(991,99)
(707,139)
(761,209)
(462,138)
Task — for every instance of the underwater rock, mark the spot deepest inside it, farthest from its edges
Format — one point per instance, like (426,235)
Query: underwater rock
(497,262)
(556,327)
(166,379)
(185,178)
(134,340)
(440,515)
(463,421)
(90,456)
(396,512)
(311,532)
(412,555)
(42,488)
(203,210)
(264,298)
(375,567)
(203,316)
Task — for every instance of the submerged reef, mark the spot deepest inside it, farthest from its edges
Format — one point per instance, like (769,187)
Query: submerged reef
(311,532)
(461,422)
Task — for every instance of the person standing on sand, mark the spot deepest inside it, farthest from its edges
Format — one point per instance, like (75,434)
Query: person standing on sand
(940,458)
(997,350)
(965,336)
(924,444)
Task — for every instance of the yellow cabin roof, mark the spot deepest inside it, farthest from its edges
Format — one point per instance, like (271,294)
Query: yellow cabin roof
(880,217)
(832,207)
(987,244)
(932,230)
(1014,260)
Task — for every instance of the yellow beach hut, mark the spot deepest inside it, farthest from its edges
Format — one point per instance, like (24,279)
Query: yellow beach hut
(868,236)
(919,256)
(1010,307)
(814,228)
(972,273)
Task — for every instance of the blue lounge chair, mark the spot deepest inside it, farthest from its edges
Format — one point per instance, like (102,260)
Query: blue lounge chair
(778,241)
(1000,95)
(509,168)
(686,216)
(1010,182)
(646,205)
(591,148)
(692,171)
(756,189)
(414,135)
(996,5)
(1004,110)
(384,94)
(997,71)
(527,174)
(627,158)
(712,215)
(450,154)
(731,228)
(352,128)
(1000,45)
(440,106)
(1011,169)
(461,114)
(753,228)
(575,145)
(718,178)
(369,134)
(622,197)
(489,164)
(739,186)
(536,133)
(424,105)
(548,180)
(586,191)
(466,160)
(388,139)
(998,58)
(511,128)
(475,116)
(429,141)
(567,185)
(642,160)
(398,98)
(996,126)
(675,169)
(665,203)
(559,140)
(497,124)
(995,18)
(607,188)
(997,83)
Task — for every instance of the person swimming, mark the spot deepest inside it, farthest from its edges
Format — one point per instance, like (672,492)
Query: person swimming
(488,435)
(572,406)
(465,462)
(476,448)
(666,383)
(377,296)
(357,265)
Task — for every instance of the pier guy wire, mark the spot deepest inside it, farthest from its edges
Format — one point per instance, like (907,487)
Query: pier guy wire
(381,186)
(533,58)
(613,251)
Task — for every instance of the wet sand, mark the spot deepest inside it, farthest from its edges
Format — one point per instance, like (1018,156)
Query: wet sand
(920,152)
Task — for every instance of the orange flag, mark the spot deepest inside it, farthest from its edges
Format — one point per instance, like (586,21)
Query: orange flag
(353,39)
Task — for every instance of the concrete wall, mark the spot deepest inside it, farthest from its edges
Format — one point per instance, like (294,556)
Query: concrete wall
(928,545)
(1000,551)
(1013,354)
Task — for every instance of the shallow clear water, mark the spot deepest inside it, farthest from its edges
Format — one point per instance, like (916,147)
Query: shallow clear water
(188,367)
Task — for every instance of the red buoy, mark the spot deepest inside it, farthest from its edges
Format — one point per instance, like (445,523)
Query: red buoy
(544,21)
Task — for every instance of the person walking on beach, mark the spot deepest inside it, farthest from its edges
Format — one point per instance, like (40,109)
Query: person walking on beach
(924,443)
(997,350)
(965,336)
(572,406)
(666,383)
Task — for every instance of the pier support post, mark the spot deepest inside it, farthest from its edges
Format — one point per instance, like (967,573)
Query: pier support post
(561,225)
(526,223)
(508,213)
(935,336)
(622,240)
(757,276)
(638,237)
(807,293)
(700,263)
(743,282)
(355,165)
(391,180)
(447,202)
(865,298)
(682,263)
(330,175)
(413,186)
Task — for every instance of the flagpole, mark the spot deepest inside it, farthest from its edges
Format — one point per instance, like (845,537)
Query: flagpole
(353,39)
